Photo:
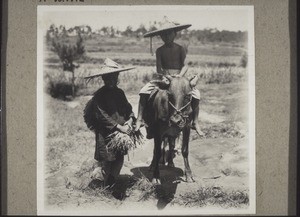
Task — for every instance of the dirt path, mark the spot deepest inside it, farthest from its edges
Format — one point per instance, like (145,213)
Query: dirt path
(220,164)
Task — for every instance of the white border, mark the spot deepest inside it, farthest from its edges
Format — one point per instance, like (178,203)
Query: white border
(40,113)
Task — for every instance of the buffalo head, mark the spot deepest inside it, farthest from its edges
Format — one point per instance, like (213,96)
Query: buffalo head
(180,97)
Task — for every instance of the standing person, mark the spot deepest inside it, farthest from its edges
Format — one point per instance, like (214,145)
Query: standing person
(170,61)
(108,111)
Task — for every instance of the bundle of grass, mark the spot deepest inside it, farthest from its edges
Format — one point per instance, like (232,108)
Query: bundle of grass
(122,142)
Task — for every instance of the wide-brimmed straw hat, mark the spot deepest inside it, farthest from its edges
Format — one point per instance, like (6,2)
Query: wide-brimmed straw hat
(108,67)
(167,25)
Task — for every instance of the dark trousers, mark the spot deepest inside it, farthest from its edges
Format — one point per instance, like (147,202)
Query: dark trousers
(111,162)
(112,169)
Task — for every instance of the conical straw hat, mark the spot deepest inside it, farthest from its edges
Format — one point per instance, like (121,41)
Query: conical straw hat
(167,25)
(109,66)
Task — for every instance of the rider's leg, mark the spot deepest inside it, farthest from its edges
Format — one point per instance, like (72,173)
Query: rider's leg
(142,105)
(144,96)
(195,108)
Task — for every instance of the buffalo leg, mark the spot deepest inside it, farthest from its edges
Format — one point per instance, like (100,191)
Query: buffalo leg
(157,154)
(151,167)
(162,159)
(185,153)
(171,151)
(164,151)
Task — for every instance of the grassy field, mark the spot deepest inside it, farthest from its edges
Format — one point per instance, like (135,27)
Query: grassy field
(219,160)
(221,153)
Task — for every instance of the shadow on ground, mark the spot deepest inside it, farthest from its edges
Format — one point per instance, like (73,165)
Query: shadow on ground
(118,190)
(170,177)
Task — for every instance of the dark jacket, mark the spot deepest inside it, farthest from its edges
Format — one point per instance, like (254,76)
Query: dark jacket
(111,108)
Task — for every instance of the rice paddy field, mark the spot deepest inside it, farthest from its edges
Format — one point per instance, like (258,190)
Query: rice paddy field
(219,160)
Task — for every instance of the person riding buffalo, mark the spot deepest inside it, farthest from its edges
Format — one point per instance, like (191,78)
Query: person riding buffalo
(170,61)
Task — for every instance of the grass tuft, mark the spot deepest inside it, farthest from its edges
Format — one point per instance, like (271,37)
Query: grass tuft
(142,189)
(212,196)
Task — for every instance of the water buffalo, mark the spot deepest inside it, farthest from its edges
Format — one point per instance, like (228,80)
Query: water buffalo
(172,114)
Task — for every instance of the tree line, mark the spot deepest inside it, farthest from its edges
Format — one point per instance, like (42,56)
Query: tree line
(203,35)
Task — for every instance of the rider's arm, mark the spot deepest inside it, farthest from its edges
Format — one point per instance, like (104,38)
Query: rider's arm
(183,61)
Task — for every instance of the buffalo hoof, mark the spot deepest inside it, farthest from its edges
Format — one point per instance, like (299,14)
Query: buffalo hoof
(156,181)
(190,179)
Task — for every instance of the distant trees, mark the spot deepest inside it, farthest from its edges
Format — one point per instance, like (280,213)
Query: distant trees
(128,31)
(68,53)
(204,36)
(61,31)
(140,31)
(212,35)
(109,31)
(105,30)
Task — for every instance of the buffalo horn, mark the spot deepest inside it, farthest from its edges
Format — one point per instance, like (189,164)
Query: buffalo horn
(183,71)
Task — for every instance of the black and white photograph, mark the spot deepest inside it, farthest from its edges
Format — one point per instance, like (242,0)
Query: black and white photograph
(145,110)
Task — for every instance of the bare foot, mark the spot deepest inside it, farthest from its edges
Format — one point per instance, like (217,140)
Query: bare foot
(156,181)
(196,127)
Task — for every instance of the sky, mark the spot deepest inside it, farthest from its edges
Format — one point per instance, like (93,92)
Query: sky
(233,18)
